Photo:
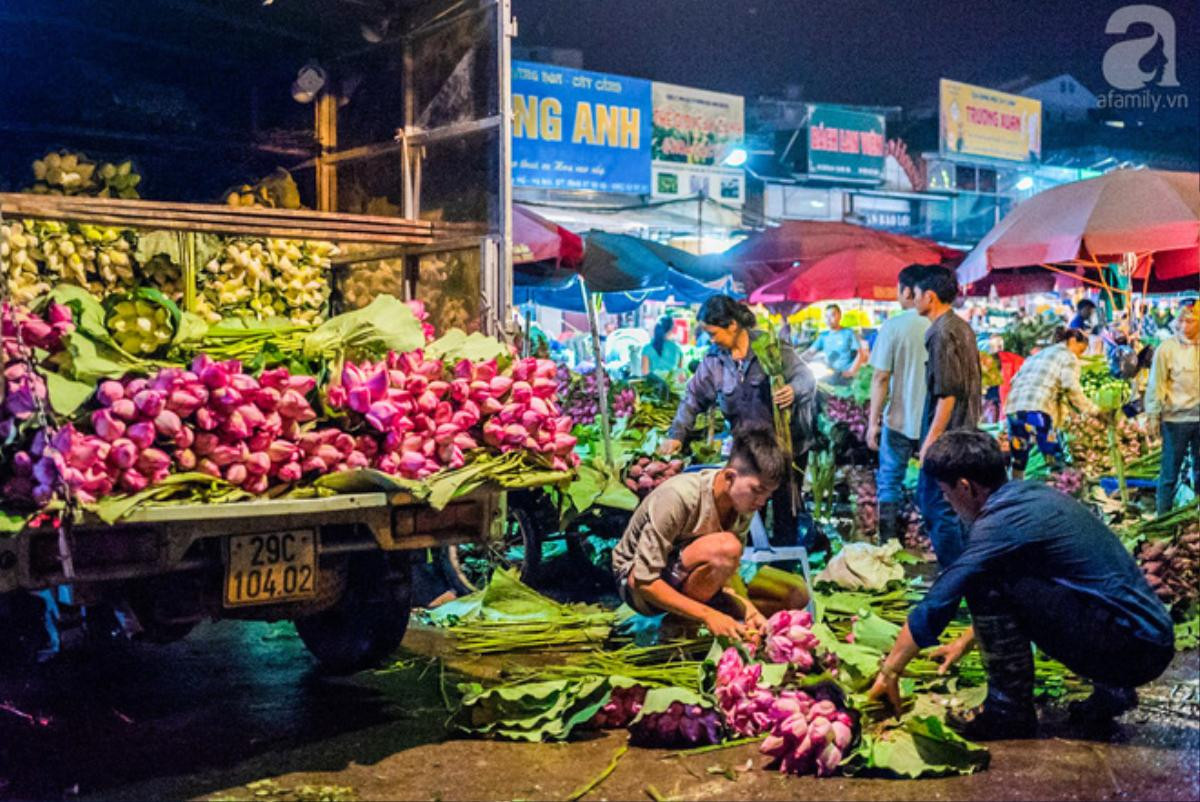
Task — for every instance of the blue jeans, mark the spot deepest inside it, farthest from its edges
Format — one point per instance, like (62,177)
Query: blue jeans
(895,451)
(941,522)
(1177,440)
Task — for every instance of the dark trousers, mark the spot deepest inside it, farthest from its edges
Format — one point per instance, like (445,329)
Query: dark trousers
(944,527)
(1177,440)
(791,527)
(1086,636)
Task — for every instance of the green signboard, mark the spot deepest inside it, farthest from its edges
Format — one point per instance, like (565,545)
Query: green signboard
(845,144)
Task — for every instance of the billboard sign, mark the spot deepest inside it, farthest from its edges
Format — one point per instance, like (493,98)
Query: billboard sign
(694,132)
(845,144)
(580,130)
(974,121)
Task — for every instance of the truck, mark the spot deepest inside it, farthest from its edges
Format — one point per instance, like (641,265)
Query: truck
(405,164)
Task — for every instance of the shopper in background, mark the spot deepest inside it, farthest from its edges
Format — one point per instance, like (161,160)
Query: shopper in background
(662,357)
(897,399)
(1173,399)
(844,352)
(953,401)
(1085,317)
(730,378)
(1046,383)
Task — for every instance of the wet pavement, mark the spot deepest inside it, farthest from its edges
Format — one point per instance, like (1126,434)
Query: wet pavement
(236,703)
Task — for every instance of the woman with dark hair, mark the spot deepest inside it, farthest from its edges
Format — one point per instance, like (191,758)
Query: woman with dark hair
(1045,384)
(731,378)
(662,357)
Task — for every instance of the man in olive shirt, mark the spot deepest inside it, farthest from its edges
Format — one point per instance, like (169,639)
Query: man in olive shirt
(685,540)
(954,385)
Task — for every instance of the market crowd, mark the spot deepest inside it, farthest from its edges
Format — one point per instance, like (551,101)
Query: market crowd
(1034,565)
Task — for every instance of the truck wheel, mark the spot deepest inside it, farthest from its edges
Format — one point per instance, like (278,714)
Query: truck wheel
(469,566)
(22,628)
(368,622)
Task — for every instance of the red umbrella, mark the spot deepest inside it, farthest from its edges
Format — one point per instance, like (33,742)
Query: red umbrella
(762,257)
(536,239)
(867,273)
(1139,218)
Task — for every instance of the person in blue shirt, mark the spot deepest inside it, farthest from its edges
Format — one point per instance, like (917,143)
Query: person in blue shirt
(1037,567)
(662,357)
(844,352)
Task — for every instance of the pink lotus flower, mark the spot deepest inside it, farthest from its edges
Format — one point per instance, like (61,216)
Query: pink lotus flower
(150,402)
(106,426)
(142,434)
(185,458)
(132,481)
(153,461)
(291,472)
(109,391)
(236,474)
(123,453)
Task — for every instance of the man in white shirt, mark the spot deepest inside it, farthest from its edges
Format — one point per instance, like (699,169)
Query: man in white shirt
(1173,398)
(894,430)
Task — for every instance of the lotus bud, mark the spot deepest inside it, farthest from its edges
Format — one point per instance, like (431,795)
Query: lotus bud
(260,440)
(124,453)
(152,461)
(106,426)
(235,427)
(225,455)
(490,406)
(225,398)
(356,459)
(314,465)
(167,424)
(109,391)
(150,402)
(381,414)
(185,458)
(205,442)
(142,434)
(275,379)
(132,481)
(124,409)
(294,406)
(258,463)
(290,472)
(252,415)
(236,474)
(267,398)
(328,454)
(213,375)
(206,419)
(135,386)
(500,385)
(209,467)
(411,461)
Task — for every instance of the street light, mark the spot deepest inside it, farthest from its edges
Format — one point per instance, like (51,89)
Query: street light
(1024,184)
(736,158)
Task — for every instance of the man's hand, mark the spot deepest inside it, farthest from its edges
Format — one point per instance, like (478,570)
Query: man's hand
(873,430)
(886,688)
(669,447)
(756,623)
(924,449)
(722,626)
(950,653)
(784,396)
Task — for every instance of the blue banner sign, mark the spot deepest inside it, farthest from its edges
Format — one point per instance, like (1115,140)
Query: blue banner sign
(575,129)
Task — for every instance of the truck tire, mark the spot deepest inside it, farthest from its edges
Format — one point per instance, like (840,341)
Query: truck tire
(368,622)
(469,566)
(22,629)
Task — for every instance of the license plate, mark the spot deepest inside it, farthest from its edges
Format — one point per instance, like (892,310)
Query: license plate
(271,568)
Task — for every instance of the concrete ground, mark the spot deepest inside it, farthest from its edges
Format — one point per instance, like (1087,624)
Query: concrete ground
(239,703)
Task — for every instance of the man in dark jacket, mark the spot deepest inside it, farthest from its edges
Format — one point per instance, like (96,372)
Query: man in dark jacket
(1037,566)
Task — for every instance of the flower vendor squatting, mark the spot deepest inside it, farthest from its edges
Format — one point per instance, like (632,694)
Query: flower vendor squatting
(681,549)
(1037,567)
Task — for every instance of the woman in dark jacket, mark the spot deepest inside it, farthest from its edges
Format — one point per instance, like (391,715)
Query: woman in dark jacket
(731,378)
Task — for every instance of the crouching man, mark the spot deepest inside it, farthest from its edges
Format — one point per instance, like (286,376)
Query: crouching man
(683,545)
(1037,566)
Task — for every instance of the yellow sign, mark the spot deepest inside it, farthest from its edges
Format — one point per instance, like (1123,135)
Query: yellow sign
(983,122)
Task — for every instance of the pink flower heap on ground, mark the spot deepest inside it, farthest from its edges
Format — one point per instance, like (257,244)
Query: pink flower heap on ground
(742,702)
(790,639)
(806,735)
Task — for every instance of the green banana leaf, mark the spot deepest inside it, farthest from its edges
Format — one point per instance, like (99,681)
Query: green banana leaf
(531,711)
(456,345)
(385,324)
(922,746)
(66,395)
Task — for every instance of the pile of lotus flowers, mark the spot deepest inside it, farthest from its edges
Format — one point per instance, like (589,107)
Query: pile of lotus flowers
(621,708)
(23,389)
(581,396)
(423,420)
(744,704)
(849,413)
(680,724)
(789,639)
(213,418)
(805,735)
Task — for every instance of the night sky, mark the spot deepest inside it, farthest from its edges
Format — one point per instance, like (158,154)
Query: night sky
(883,52)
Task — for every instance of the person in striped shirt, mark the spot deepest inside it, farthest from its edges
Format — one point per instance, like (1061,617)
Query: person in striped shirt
(1046,384)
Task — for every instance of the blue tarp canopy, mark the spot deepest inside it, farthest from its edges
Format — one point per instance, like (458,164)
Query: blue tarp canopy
(628,271)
